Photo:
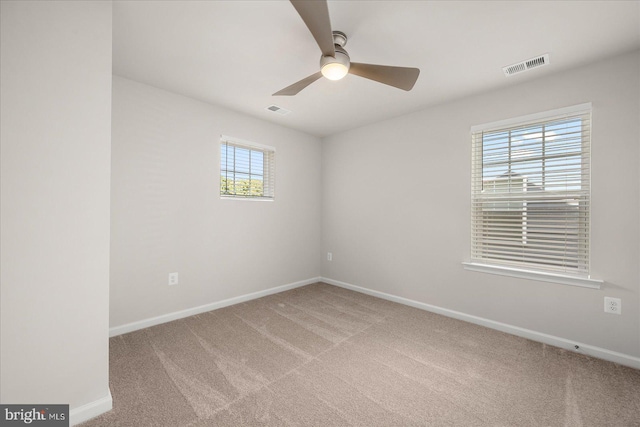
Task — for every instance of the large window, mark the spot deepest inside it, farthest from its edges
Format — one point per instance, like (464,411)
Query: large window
(246,170)
(531,192)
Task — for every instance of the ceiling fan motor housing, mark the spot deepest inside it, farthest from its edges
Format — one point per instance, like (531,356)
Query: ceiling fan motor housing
(341,57)
(339,38)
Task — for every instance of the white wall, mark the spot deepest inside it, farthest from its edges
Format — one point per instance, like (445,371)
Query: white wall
(55,153)
(167,215)
(396,208)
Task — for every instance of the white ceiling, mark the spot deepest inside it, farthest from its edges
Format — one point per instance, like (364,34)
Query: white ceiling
(237,53)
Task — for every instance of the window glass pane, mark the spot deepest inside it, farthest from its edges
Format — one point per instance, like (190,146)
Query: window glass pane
(256,186)
(241,160)
(495,154)
(226,157)
(257,162)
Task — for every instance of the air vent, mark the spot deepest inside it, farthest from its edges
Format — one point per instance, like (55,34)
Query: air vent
(277,110)
(527,65)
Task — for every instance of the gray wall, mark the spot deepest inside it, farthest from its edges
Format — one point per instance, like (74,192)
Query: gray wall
(396,208)
(167,215)
(55,153)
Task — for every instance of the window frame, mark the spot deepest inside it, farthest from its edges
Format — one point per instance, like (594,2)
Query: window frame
(268,168)
(526,268)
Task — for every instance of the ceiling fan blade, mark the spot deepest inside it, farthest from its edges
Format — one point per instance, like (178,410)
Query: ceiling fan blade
(315,15)
(298,86)
(400,77)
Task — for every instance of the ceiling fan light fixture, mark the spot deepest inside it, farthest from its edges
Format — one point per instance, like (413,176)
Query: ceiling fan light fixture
(334,71)
(335,68)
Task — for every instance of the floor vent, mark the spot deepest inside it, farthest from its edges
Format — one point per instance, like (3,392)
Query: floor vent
(277,110)
(527,65)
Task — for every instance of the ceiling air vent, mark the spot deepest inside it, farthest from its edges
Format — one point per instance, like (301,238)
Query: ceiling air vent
(520,67)
(277,110)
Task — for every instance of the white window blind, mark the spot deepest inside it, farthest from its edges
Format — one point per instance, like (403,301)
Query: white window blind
(246,170)
(531,192)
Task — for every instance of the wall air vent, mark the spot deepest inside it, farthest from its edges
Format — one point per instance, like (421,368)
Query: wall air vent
(527,65)
(277,110)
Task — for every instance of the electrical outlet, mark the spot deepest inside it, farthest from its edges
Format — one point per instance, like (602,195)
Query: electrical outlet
(612,305)
(329,256)
(173,279)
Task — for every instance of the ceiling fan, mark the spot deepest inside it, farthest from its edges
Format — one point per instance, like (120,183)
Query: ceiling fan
(335,62)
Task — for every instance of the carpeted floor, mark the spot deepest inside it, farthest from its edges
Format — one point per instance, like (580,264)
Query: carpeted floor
(325,356)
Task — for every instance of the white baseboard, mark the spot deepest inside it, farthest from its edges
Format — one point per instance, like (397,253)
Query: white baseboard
(598,352)
(141,324)
(91,410)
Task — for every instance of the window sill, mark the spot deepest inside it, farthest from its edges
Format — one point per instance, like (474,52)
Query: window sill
(254,199)
(534,275)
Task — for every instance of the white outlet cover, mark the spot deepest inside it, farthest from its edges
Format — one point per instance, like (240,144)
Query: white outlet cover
(612,305)
(173,279)
(329,256)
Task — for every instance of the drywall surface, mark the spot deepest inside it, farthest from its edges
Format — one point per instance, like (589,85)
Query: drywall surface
(55,153)
(396,208)
(167,214)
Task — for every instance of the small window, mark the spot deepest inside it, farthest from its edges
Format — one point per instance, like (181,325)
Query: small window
(531,192)
(246,170)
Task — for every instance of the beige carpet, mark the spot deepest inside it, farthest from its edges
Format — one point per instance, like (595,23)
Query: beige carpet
(325,356)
